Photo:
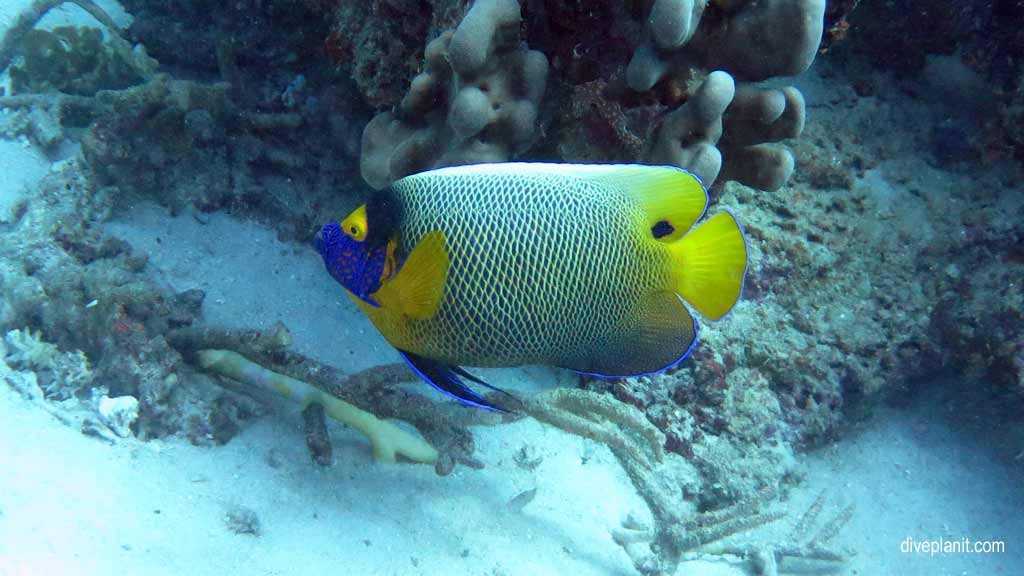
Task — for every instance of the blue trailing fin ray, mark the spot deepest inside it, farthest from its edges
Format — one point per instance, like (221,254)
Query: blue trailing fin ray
(446,379)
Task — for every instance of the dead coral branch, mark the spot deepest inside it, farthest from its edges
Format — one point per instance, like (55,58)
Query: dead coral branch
(602,419)
(388,440)
(376,390)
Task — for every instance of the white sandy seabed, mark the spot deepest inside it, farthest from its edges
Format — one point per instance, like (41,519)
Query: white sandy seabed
(73,505)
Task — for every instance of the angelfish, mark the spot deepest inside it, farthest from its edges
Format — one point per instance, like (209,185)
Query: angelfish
(579,266)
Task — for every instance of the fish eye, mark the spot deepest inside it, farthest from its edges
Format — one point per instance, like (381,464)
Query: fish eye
(354,226)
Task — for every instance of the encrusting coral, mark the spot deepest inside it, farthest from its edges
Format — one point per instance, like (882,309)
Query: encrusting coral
(72,60)
(150,133)
(77,60)
(60,375)
(31,14)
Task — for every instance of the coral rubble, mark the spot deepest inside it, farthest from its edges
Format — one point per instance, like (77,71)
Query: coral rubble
(98,322)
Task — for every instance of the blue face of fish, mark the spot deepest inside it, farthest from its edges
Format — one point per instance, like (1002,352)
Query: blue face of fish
(350,262)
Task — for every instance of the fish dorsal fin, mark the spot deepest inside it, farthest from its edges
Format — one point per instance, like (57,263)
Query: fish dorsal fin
(665,194)
(416,291)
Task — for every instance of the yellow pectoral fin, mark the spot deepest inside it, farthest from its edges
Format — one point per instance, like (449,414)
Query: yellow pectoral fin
(710,264)
(416,291)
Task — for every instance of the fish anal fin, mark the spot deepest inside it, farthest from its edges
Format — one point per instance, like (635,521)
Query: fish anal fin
(661,335)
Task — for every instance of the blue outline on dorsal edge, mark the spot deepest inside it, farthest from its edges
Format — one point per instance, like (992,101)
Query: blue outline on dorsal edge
(669,366)
(447,393)
(696,325)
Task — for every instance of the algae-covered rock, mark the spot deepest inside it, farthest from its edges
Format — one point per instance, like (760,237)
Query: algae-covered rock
(77,60)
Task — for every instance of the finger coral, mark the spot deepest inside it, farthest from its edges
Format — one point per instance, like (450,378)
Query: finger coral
(477,98)
(717,131)
(475,101)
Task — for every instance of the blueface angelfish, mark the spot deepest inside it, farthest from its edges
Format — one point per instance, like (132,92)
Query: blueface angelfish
(570,265)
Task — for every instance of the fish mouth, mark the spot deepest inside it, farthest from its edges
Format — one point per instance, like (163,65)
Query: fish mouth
(318,240)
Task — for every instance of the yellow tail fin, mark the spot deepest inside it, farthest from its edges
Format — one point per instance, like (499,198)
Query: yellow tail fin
(710,263)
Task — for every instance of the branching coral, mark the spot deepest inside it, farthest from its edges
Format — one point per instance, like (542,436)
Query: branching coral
(694,51)
(729,132)
(602,419)
(811,552)
(658,548)
(755,121)
(753,40)
(688,135)
(476,100)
